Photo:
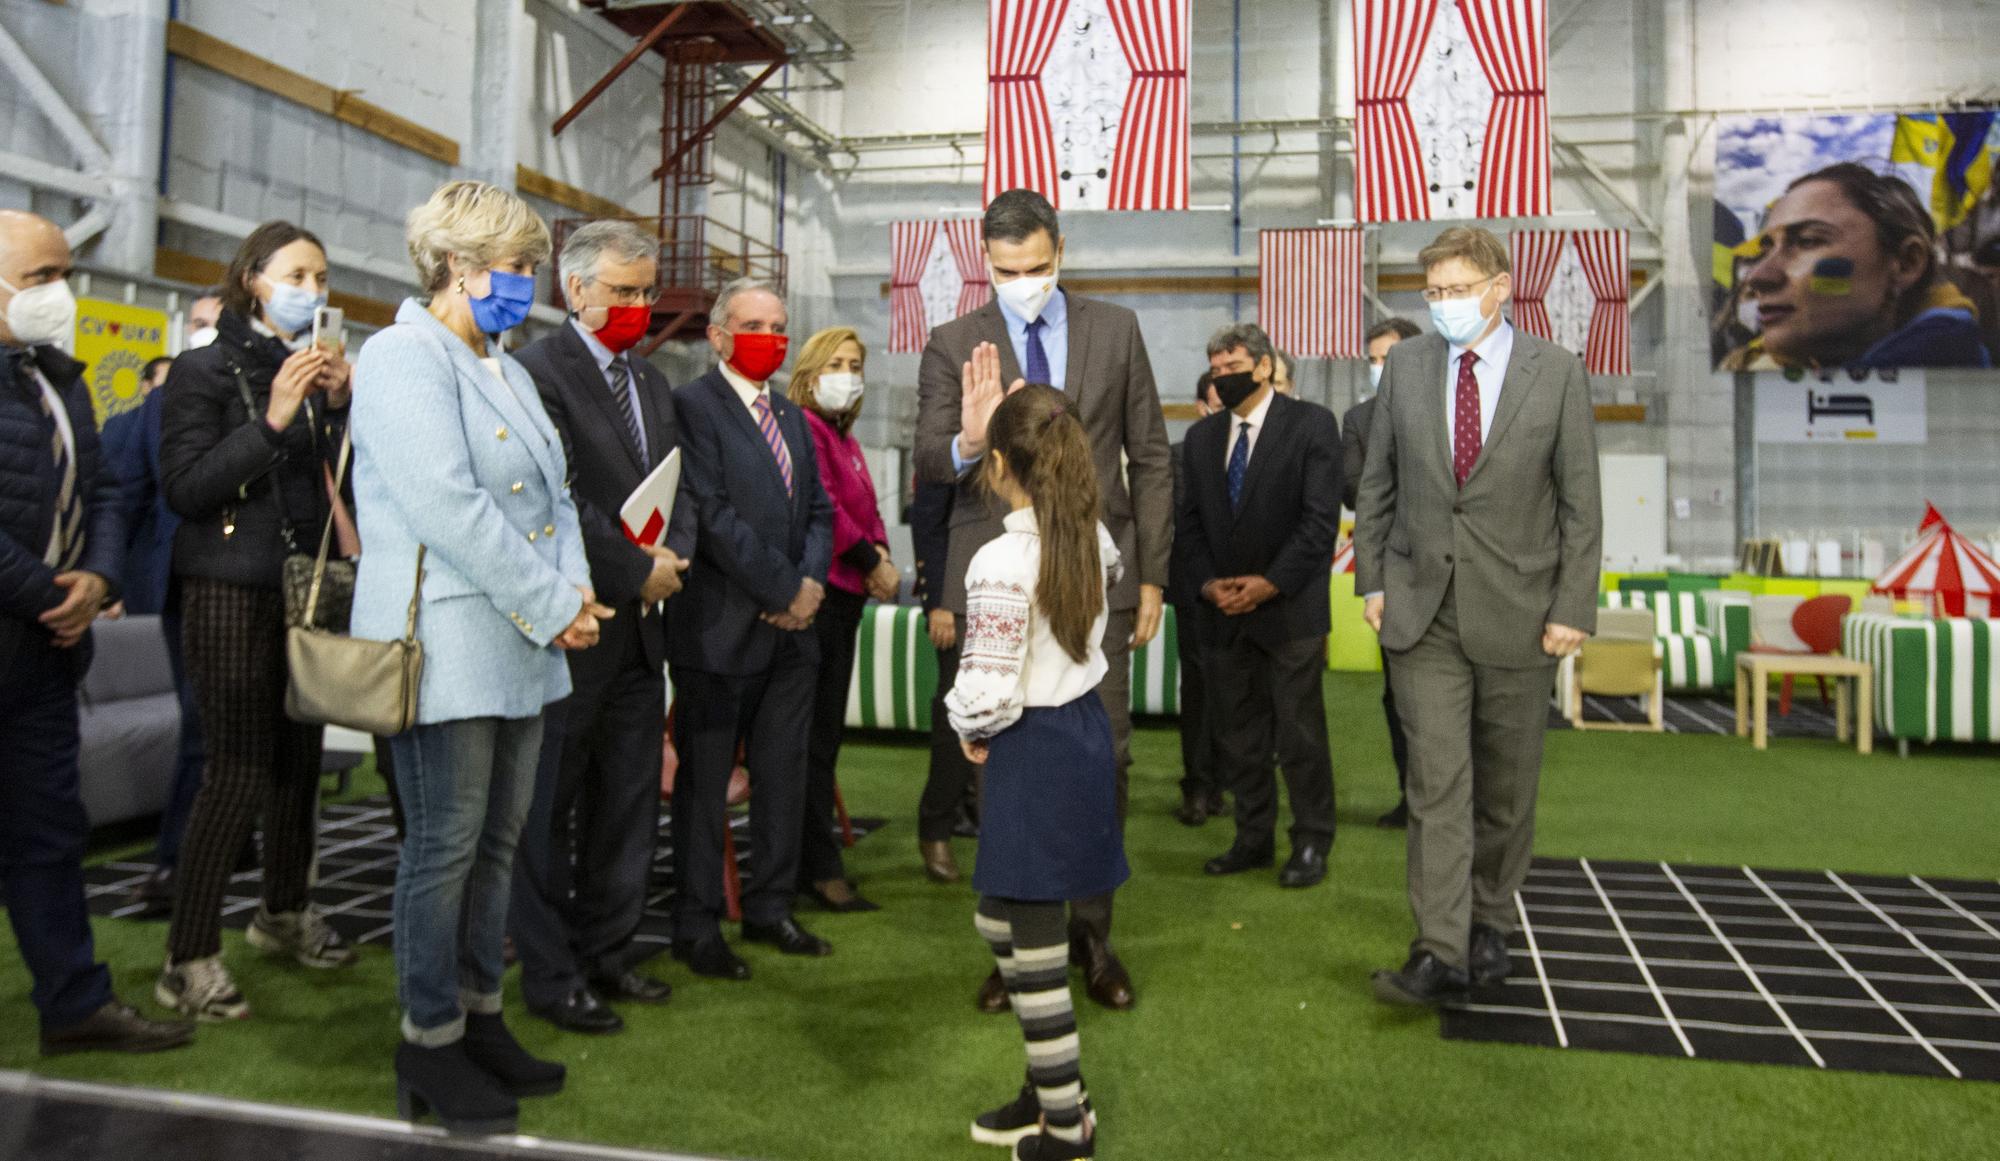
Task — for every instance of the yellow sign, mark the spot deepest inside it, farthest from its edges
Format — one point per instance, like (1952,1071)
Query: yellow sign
(114,341)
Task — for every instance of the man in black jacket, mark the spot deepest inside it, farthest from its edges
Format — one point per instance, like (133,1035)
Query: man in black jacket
(1353,455)
(744,660)
(943,811)
(1257,521)
(61,537)
(586,852)
(1201,776)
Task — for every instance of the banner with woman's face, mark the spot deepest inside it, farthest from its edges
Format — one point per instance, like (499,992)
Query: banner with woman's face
(1856,240)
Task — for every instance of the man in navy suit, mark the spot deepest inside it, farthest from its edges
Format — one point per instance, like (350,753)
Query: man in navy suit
(580,887)
(743,659)
(132,454)
(1255,537)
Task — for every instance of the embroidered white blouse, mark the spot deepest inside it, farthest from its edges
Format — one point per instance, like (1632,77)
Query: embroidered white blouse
(1008,656)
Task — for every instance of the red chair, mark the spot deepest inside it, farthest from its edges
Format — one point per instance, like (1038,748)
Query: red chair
(739,793)
(1817,622)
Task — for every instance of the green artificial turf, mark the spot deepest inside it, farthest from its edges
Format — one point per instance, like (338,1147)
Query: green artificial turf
(1254,1036)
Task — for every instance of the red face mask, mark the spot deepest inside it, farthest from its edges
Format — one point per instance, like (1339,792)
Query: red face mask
(757,355)
(623,327)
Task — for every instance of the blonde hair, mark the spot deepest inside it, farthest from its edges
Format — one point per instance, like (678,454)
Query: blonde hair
(482,224)
(1486,253)
(813,358)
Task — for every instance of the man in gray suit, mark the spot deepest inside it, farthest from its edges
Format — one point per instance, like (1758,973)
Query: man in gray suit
(1093,352)
(1477,540)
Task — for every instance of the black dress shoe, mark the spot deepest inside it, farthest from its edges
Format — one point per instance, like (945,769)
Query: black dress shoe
(630,987)
(993,994)
(581,1011)
(965,825)
(710,956)
(1306,867)
(1193,810)
(1487,958)
(118,1027)
(787,936)
(1104,976)
(853,904)
(1395,819)
(1238,859)
(1218,805)
(1425,981)
(154,896)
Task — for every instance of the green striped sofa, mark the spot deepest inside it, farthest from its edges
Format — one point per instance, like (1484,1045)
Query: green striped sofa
(1699,633)
(896,675)
(1934,679)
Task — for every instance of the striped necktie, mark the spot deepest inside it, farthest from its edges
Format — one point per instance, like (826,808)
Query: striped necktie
(621,392)
(768,424)
(66,539)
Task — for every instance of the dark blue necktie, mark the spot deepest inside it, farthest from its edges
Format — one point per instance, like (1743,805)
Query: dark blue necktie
(1038,359)
(1239,464)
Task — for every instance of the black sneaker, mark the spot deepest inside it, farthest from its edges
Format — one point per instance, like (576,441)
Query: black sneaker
(1018,1118)
(1043,1147)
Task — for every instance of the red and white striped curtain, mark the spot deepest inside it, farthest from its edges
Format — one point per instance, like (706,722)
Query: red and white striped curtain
(1150,167)
(1020,144)
(1510,39)
(909,250)
(1309,291)
(1535,255)
(1607,267)
(970,257)
(1389,38)
(1602,255)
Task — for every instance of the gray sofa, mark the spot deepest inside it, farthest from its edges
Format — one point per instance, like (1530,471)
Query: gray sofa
(131,722)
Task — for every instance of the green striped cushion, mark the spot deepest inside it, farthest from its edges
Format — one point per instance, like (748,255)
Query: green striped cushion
(895,671)
(1156,671)
(1693,661)
(1933,679)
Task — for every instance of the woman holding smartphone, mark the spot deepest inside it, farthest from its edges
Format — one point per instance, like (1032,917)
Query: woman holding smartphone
(250,429)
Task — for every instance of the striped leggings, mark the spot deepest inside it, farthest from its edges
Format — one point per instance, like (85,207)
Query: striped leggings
(260,763)
(1030,942)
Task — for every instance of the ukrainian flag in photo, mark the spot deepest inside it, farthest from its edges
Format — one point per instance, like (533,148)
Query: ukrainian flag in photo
(1958,150)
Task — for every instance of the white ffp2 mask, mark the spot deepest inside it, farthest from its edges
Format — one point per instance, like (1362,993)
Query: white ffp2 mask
(838,391)
(42,314)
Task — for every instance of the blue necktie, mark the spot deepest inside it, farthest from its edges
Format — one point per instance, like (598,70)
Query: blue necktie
(1038,359)
(1239,465)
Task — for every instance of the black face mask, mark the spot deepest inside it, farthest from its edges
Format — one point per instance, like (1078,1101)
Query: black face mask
(1234,388)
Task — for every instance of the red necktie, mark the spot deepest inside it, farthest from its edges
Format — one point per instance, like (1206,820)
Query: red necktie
(1465,420)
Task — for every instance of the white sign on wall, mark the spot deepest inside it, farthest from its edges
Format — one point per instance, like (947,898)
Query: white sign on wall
(1841,407)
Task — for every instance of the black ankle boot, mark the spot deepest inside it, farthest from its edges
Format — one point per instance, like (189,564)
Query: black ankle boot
(493,1048)
(443,1082)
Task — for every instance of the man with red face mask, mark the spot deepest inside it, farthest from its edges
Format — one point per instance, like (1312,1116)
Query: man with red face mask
(586,853)
(744,662)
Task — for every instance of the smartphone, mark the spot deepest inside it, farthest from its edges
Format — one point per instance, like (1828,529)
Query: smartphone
(330,329)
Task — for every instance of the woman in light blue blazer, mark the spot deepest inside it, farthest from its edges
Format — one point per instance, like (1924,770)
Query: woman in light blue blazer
(458,472)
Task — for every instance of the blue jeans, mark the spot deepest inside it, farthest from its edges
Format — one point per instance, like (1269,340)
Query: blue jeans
(466,788)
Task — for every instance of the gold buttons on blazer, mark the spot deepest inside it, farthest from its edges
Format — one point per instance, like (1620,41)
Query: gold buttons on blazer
(550,530)
(531,535)
(524,626)
(516,489)
(501,433)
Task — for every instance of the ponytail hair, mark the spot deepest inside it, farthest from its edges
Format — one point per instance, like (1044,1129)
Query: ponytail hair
(1038,435)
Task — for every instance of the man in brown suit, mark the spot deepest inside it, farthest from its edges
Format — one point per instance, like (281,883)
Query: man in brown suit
(1093,352)
(1477,541)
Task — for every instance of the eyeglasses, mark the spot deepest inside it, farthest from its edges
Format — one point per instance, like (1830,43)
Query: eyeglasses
(630,295)
(1462,290)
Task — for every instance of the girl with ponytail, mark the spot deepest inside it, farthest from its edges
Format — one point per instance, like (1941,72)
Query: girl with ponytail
(1025,705)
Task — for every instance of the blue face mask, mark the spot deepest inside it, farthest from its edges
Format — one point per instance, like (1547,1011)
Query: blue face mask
(506,304)
(290,308)
(1459,320)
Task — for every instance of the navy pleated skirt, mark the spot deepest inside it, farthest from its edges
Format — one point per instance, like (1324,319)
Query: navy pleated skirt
(1048,814)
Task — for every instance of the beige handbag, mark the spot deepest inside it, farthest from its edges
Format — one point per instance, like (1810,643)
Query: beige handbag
(338,680)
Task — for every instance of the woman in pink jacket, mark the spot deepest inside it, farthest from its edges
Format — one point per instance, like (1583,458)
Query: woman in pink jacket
(826,384)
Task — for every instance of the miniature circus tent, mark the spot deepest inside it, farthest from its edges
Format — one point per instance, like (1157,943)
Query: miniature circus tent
(1945,569)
